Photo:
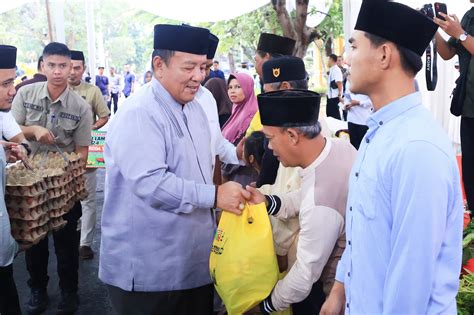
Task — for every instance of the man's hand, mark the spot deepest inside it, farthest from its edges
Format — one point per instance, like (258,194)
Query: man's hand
(347,106)
(232,197)
(451,26)
(256,197)
(43,135)
(240,150)
(334,304)
(13,151)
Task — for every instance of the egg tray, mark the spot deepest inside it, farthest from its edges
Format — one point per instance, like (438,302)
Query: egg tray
(57,223)
(56,192)
(57,213)
(32,236)
(18,202)
(57,203)
(29,225)
(29,214)
(80,196)
(28,191)
(58,181)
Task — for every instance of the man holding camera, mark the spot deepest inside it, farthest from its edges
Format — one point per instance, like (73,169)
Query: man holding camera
(461,43)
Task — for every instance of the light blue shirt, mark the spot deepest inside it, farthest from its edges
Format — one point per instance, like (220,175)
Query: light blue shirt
(157,223)
(404,217)
(8,246)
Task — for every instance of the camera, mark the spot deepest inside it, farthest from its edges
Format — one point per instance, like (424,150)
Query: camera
(427,10)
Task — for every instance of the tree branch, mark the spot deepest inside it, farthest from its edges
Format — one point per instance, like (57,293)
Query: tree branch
(284,18)
(301,16)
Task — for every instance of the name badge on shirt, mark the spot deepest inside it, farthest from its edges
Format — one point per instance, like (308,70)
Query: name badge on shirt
(69,116)
(33,106)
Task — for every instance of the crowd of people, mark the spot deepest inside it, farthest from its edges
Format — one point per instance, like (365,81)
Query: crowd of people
(369,226)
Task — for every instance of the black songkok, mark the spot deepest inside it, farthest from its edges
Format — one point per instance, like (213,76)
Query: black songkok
(184,38)
(7,57)
(289,108)
(285,68)
(275,44)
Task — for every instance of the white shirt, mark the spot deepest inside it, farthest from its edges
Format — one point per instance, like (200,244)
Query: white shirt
(10,127)
(335,74)
(219,145)
(360,113)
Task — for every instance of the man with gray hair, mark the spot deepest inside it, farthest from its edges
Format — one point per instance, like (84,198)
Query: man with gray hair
(157,222)
(290,122)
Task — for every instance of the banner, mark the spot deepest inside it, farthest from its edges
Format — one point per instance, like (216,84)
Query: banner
(95,159)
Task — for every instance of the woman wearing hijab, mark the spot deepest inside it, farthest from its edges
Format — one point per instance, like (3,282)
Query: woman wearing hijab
(218,88)
(241,93)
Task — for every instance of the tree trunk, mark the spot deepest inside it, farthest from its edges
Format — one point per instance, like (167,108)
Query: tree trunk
(328,46)
(284,18)
(230,56)
(296,28)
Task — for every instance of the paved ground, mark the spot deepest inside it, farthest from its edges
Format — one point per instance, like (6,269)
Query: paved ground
(92,292)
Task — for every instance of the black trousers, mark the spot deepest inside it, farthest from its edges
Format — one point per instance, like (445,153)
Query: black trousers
(313,303)
(356,133)
(467,147)
(66,245)
(332,108)
(198,301)
(113,98)
(9,303)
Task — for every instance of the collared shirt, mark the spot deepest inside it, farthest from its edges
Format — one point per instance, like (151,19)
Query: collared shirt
(357,114)
(319,204)
(157,224)
(115,83)
(101,81)
(219,145)
(92,95)
(404,216)
(216,74)
(10,127)
(69,117)
(128,80)
(335,74)
(8,246)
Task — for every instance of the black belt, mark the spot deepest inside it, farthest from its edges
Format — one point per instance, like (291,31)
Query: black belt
(431,68)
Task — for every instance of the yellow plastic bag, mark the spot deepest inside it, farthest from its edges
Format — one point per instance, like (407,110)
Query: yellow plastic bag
(243,263)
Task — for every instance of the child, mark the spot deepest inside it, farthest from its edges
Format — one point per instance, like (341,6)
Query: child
(253,150)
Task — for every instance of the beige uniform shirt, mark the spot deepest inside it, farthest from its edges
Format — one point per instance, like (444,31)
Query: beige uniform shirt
(320,204)
(69,117)
(92,95)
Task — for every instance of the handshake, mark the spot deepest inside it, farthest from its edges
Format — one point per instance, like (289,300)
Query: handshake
(232,197)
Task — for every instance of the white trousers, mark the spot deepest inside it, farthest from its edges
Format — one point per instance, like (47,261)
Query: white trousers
(89,209)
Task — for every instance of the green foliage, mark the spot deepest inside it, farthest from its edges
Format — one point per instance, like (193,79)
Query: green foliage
(244,30)
(465,298)
(468,243)
(333,24)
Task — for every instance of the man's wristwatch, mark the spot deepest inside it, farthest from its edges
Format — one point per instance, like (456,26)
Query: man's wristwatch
(463,37)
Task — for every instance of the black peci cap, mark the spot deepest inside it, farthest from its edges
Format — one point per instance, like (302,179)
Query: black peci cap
(289,108)
(285,68)
(184,38)
(7,57)
(275,44)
